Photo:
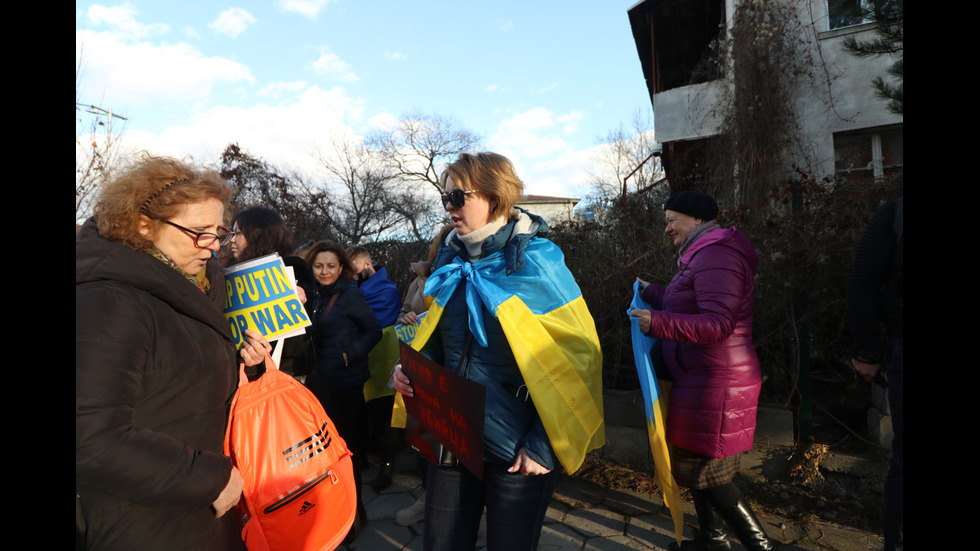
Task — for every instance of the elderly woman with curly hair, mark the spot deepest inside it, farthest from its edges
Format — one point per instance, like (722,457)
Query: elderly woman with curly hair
(155,364)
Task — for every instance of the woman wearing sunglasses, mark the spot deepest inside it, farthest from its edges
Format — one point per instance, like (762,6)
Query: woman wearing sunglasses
(506,313)
(155,364)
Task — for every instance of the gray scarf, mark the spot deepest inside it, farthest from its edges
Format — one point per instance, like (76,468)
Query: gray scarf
(704,228)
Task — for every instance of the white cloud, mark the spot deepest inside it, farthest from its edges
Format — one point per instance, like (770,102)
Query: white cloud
(546,89)
(529,133)
(534,140)
(307,8)
(232,22)
(140,73)
(283,134)
(329,64)
(122,20)
(570,121)
(191,33)
(496,88)
(383,121)
(564,175)
(275,89)
(395,55)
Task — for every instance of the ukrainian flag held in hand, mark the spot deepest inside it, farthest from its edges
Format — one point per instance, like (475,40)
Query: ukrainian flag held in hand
(656,413)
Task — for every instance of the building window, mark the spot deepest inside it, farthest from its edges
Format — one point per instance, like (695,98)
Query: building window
(868,154)
(688,164)
(846,13)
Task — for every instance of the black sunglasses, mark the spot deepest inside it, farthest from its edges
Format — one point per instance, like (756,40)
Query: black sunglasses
(456,198)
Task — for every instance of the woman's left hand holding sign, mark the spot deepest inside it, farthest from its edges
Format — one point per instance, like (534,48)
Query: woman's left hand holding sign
(402,384)
(255,348)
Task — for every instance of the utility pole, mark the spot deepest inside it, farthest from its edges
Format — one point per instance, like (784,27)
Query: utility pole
(99,111)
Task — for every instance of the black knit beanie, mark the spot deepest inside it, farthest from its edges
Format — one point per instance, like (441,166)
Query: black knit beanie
(693,203)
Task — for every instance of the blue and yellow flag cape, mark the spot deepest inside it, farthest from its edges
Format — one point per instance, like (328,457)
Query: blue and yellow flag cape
(550,331)
(656,412)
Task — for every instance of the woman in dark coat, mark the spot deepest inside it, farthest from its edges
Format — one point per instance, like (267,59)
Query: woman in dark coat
(260,231)
(155,365)
(345,329)
(703,321)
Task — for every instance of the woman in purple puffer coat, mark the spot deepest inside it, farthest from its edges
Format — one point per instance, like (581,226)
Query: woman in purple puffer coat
(702,322)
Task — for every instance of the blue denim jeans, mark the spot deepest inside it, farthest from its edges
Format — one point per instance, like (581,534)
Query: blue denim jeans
(516,505)
(895,483)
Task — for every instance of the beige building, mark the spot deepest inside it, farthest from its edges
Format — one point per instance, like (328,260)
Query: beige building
(553,209)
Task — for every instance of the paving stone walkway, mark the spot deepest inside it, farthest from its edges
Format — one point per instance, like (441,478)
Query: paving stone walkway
(584,516)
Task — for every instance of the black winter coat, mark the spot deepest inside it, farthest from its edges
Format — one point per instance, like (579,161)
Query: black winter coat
(875,288)
(350,327)
(155,371)
(297,354)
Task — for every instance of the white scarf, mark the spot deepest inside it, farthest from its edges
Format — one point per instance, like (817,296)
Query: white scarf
(473,241)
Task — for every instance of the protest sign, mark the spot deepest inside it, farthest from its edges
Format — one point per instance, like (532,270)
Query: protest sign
(448,408)
(260,294)
(406,331)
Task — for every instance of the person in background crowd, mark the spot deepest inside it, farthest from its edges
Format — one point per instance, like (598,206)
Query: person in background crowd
(385,301)
(415,303)
(344,331)
(260,231)
(703,323)
(155,364)
(303,248)
(875,298)
(498,248)
(380,292)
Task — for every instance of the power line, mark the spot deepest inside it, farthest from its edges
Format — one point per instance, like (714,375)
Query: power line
(96,110)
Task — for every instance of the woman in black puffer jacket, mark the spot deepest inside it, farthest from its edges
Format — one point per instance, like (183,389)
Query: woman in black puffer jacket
(345,329)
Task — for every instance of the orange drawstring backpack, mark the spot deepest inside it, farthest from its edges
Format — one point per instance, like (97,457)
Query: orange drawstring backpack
(299,490)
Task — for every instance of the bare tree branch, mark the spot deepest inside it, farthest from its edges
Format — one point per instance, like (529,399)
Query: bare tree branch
(364,204)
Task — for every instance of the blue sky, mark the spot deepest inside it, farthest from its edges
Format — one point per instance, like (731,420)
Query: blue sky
(540,81)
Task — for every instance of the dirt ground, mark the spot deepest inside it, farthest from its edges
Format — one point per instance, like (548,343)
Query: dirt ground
(837,477)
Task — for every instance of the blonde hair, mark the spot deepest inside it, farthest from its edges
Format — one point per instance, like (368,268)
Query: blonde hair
(489,173)
(434,245)
(155,187)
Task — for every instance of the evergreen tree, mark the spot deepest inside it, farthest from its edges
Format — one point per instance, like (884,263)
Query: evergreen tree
(890,40)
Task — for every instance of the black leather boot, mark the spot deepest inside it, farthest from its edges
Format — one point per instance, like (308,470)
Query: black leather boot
(746,526)
(360,519)
(711,536)
(383,478)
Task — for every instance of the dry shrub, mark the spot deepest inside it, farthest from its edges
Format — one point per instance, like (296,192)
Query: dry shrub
(805,254)
(605,260)
(805,233)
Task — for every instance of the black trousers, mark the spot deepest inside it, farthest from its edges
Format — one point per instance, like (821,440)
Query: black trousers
(348,412)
